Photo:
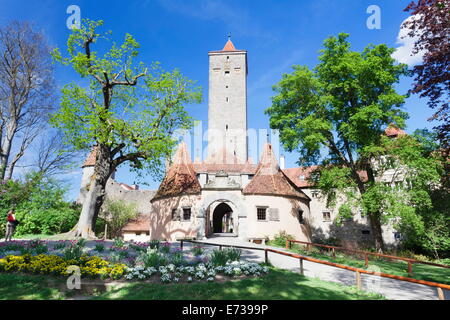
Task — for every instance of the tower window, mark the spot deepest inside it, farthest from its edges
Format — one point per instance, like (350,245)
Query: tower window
(227,72)
(227,99)
(226,127)
(300,216)
(326,216)
(186,214)
(261,213)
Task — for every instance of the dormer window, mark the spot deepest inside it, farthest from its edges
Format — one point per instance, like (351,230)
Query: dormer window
(302,177)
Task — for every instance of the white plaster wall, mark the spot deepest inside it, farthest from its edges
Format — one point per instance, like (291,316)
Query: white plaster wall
(288,217)
(132,236)
(161,225)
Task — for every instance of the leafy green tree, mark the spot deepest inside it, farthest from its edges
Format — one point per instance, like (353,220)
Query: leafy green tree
(39,203)
(341,107)
(128,112)
(116,215)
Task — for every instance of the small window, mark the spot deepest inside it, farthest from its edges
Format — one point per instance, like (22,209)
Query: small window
(227,99)
(300,216)
(250,176)
(261,212)
(186,214)
(326,216)
(365,232)
(227,72)
(138,233)
(302,177)
(226,87)
(315,194)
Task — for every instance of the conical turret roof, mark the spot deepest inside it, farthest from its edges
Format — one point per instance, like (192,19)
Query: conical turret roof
(181,177)
(229,46)
(270,180)
(91,158)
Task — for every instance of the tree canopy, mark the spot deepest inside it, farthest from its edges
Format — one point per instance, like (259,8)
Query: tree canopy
(335,115)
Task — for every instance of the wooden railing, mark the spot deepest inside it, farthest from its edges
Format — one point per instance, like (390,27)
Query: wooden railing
(366,254)
(357,271)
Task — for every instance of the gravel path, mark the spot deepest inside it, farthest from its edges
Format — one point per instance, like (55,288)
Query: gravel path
(390,288)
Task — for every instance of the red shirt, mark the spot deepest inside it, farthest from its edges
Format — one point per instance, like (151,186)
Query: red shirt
(10,218)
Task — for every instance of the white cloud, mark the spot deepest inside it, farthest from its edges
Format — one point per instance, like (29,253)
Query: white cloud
(404,53)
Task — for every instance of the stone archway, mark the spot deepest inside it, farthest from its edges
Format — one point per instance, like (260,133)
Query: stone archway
(222,219)
(206,210)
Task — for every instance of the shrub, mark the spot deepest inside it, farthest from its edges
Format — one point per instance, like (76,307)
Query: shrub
(99,247)
(234,254)
(218,257)
(280,239)
(73,252)
(152,258)
(165,248)
(40,205)
(56,265)
(197,251)
(116,215)
(154,244)
(119,243)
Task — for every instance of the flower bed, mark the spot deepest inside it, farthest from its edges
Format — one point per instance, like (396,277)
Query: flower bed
(154,261)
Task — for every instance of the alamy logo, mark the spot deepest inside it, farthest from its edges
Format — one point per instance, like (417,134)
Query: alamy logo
(74,20)
(374,20)
(74,281)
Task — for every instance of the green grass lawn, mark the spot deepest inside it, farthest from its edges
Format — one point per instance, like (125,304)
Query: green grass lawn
(277,285)
(400,268)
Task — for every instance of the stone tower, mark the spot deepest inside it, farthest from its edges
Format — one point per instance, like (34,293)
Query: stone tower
(227,108)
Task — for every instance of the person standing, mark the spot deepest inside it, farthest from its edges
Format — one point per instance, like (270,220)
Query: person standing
(10,224)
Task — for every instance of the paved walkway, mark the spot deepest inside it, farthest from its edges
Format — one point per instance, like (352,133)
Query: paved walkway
(390,288)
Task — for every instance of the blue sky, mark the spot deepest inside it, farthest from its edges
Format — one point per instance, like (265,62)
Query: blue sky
(277,34)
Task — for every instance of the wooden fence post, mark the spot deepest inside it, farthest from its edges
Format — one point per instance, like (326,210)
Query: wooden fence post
(334,253)
(366,260)
(181,245)
(266,256)
(358,280)
(410,272)
(287,244)
(301,267)
(440,294)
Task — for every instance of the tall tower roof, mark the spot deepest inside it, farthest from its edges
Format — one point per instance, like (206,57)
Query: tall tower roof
(270,180)
(91,158)
(181,177)
(229,46)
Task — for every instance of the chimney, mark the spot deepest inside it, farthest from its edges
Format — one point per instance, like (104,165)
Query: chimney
(282,162)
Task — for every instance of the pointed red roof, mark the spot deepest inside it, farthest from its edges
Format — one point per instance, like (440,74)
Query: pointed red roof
(91,158)
(229,46)
(393,131)
(181,177)
(270,180)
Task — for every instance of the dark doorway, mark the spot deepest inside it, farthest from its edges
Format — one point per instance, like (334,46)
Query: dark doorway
(222,220)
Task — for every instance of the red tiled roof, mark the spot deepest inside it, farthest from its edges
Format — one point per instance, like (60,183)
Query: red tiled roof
(181,177)
(91,158)
(229,46)
(141,223)
(393,131)
(270,180)
(300,175)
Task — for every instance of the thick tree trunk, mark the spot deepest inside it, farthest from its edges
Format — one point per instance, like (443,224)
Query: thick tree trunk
(377,232)
(85,227)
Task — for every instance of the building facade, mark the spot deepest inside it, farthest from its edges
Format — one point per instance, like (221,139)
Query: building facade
(227,194)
